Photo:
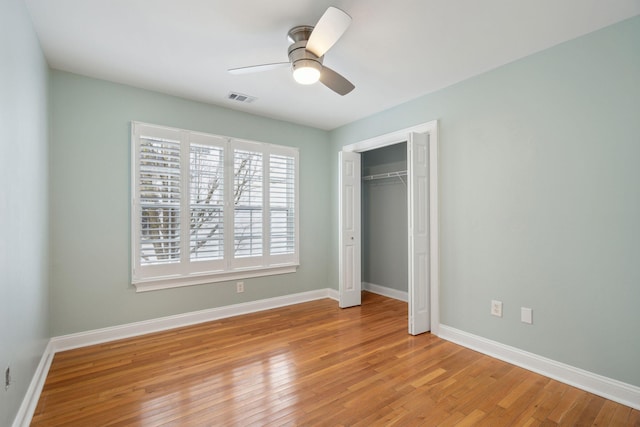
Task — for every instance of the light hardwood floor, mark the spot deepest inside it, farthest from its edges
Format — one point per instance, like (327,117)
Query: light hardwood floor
(307,364)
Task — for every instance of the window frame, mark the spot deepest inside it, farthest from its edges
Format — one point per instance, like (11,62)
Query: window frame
(188,272)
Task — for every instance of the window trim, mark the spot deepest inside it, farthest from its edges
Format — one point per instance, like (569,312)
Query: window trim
(229,268)
(176,281)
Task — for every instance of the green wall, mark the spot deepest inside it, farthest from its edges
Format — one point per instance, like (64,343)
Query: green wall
(539,199)
(23,204)
(90,198)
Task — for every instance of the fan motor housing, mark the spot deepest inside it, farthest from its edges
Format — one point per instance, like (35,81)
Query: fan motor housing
(299,56)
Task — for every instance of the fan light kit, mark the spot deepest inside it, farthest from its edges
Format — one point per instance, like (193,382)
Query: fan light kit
(306,72)
(306,53)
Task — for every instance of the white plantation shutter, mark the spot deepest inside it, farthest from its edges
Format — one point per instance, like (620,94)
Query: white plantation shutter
(206,192)
(207,208)
(248,208)
(282,204)
(159,200)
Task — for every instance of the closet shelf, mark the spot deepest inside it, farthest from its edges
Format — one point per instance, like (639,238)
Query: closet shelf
(396,174)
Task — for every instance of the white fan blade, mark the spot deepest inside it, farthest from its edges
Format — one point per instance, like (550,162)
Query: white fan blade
(258,68)
(327,31)
(335,81)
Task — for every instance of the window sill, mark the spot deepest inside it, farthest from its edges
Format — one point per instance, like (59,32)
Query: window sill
(154,284)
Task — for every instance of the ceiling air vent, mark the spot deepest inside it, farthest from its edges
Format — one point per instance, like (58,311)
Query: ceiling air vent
(240,97)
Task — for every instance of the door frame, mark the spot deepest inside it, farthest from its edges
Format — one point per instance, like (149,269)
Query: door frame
(430,128)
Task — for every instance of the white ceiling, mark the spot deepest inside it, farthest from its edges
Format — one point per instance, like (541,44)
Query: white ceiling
(393,51)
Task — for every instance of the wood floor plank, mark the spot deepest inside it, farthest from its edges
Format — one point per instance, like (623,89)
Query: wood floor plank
(306,364)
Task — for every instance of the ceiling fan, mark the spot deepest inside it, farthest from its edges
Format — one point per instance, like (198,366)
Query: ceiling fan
(309,44)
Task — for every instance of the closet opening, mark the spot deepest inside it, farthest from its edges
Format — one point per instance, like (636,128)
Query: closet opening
(384,221)
(420,175)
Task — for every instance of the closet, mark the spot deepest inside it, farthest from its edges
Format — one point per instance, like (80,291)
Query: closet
(412,264)
(384,220)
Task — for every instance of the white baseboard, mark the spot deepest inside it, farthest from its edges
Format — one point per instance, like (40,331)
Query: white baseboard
(98,336)
(608,388)
(386,291)
(31,397)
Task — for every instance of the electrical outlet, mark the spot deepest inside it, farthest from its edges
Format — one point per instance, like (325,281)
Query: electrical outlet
(496,308)
(7,378)
(240,287)
(526,315)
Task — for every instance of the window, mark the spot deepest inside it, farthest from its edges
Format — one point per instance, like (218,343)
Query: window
(208,208)
(248,209)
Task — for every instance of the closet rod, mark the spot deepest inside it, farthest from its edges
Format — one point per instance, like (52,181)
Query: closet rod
(396,174)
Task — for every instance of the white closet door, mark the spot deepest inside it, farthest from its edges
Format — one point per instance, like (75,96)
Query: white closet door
(418,192)
(349,225)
